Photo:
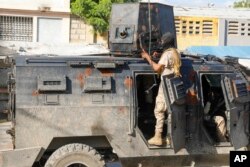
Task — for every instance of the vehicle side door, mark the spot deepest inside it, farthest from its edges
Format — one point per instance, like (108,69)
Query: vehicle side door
(237,99)
(174,92)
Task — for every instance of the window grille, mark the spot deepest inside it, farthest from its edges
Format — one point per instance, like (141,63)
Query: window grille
(16,28)
(207,27)
(177,25)
(245,30)
(233,28)
(194,27)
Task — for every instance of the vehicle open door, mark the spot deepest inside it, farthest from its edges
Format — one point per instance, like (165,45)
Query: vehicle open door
(237,100)
(175,98)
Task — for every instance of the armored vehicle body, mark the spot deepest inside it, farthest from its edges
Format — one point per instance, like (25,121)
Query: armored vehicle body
(95,110)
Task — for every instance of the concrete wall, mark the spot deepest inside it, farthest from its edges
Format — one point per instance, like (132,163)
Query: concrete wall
(81,32)
(55,5)
(237,32)
(57,10)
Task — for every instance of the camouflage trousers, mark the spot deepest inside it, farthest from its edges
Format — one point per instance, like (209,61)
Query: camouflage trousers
(160,109)
(220,127)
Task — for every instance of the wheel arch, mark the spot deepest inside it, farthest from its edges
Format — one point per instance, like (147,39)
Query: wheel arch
(97,142)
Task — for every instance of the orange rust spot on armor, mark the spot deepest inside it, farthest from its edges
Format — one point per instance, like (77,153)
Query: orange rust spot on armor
(128,82)
(80,77)
(35,93)
(192,97)
(106,72)
(87,72)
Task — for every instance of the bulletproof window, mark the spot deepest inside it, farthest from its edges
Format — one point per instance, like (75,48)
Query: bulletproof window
(236,88)
(97,84)
(240,88)
(175,87)
(16,28)
(51,84)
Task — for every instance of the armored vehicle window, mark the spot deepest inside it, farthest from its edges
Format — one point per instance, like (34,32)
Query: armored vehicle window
(99,84)
(51,84)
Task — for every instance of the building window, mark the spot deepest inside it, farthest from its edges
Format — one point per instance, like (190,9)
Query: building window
(177,25)
(186,26)
(233,28)
(245,30)
(207,27)
(15,28)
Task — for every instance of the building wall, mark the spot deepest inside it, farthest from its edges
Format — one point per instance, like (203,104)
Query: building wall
(237,32)
(81,32)
(15,27)
(55,5)
(196,31)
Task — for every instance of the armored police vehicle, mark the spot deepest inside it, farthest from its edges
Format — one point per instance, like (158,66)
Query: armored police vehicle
(95,110)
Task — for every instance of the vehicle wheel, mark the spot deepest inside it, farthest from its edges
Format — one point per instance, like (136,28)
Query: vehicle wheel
(75,155)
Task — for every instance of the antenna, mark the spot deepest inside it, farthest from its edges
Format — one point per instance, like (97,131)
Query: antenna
(149,25)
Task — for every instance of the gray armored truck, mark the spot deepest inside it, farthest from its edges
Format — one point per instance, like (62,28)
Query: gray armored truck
(98,110)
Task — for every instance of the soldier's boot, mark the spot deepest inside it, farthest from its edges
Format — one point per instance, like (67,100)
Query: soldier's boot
(156,140)
(168,141)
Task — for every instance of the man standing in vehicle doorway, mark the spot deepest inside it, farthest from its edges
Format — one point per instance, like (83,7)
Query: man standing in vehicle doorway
(169,65)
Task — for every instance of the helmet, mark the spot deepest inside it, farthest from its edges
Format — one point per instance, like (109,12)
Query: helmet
(167,40)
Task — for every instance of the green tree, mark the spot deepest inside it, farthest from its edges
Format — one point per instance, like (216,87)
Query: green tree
(242,4)
(95,12)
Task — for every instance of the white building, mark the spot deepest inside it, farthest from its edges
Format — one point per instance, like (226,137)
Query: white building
(200,26)
(43,21)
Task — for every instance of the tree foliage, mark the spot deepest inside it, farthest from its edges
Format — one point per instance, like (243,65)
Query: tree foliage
(95,12)
(242,4)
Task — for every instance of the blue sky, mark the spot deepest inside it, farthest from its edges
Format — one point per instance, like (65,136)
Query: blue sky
(197,3)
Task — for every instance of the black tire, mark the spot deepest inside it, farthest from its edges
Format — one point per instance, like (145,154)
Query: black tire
(75,155)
